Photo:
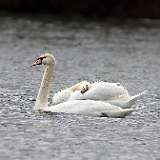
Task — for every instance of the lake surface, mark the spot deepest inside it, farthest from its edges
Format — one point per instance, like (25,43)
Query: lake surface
(111,50)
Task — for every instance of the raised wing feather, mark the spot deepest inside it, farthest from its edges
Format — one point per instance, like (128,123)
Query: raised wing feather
(102,91)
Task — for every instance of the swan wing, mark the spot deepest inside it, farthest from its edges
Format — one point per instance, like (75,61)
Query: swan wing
(90,107)
(102,91)
(127,103)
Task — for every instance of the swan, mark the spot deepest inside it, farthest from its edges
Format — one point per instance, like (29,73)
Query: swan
(85,107)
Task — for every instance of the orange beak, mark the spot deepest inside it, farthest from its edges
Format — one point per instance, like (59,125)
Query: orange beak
(37,62)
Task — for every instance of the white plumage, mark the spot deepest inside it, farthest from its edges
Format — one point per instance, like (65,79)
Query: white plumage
(91,108)
(113,93)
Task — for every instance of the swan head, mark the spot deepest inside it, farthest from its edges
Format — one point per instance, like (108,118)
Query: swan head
(45,59)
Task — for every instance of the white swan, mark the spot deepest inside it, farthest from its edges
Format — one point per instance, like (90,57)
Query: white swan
(85,107)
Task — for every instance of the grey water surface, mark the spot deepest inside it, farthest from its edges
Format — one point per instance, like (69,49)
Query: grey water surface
(125,51)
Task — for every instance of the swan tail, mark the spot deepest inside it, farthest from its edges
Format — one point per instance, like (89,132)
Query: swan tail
(134,98)
(121,113)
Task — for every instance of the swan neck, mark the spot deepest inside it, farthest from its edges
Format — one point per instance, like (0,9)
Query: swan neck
(42,97)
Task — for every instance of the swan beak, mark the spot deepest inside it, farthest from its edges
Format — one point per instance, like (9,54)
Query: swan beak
(37,62)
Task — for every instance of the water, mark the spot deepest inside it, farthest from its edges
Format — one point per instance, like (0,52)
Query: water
(110,50)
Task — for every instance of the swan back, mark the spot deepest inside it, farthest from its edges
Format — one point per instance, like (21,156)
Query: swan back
(102,91)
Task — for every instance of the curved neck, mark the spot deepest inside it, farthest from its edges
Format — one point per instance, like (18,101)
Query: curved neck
(42,97)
